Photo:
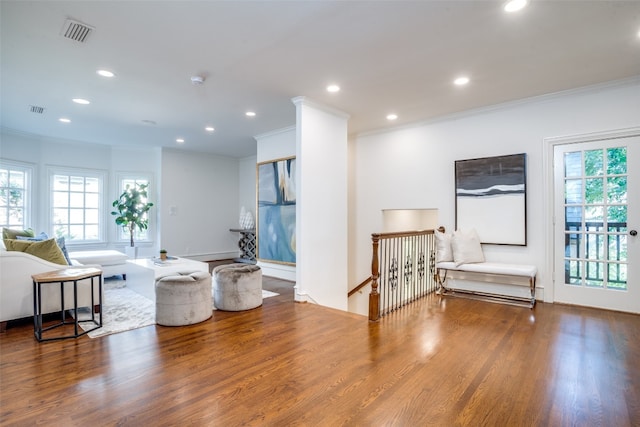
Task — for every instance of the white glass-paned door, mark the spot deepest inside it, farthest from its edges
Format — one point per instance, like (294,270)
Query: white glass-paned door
(597,250)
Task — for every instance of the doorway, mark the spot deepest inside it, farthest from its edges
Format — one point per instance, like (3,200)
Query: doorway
(596,209)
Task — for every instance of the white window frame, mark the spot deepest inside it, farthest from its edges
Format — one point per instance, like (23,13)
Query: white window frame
(145,236)
(102,211)
(28,170)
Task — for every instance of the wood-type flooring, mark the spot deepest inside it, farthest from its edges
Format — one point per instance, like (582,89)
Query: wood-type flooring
(439,362)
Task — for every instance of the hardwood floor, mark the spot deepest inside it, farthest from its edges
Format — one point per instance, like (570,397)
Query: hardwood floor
(440,362)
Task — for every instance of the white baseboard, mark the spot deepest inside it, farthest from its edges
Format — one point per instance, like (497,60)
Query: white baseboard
(279,271)
(212,256)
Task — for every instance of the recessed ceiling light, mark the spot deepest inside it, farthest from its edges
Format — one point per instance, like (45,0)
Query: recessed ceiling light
(149,122)
(461,81)
(250,114)
(64,120)
(515,5)
(105,73)
(333,88)
(180,140)
(392,116)
(209,128)
(81,101)
(197,80)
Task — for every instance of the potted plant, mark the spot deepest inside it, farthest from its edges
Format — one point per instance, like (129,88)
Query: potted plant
(163,254)
(131,209)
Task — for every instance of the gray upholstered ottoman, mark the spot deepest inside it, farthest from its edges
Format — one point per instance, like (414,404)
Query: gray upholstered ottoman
(183,298)
(237,287)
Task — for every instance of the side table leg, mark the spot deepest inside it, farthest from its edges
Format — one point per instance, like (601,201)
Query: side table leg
(93,306)
(100,278)
(63,312)
(37,314)
(75,307)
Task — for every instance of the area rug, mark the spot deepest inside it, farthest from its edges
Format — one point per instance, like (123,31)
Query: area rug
(124,310)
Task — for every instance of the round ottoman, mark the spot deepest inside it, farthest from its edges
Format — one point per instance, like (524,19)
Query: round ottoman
(183,298)
(237,287)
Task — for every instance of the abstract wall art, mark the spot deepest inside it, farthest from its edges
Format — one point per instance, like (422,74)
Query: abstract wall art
(276,195)
(491,197)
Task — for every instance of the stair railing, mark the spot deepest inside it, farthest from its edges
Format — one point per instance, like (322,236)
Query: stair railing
(402,270)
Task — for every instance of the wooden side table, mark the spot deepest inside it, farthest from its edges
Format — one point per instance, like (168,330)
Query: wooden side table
(63,276)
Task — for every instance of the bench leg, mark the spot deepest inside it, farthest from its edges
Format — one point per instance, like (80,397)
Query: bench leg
(513,300)
(440,281)
(532,285)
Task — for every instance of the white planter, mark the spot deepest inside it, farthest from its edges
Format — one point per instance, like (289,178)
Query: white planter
(131,252)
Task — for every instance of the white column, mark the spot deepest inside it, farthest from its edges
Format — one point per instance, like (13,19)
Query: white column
(321,206)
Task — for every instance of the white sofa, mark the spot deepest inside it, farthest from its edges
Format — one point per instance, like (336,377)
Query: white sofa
(16,286)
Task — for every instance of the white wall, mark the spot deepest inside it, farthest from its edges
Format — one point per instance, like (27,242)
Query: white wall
(199,205)
(272,146)
(413,166)
(322,204)
(247,184)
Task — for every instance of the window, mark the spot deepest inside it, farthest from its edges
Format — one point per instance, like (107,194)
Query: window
(15,195)
(596,218)
(132,181)
(76,205)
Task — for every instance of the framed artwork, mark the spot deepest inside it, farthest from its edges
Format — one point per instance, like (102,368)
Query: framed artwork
(491,196)
(276,225)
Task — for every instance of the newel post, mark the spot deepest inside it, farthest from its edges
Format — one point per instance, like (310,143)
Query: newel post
(374,296)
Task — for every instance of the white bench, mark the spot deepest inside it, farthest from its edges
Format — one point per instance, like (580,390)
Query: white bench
(490,272)
(113,263)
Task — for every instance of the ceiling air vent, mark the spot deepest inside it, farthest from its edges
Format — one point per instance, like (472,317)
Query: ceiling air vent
(36,109)
(76,30)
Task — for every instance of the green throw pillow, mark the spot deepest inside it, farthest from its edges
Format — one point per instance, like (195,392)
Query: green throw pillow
(46,249)
(9,233)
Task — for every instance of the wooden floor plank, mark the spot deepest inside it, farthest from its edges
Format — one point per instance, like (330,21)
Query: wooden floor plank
(438,362)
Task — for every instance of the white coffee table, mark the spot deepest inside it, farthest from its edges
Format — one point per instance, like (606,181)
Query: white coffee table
(143,273)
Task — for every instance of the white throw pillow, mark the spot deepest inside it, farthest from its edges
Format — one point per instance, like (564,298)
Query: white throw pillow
(466,247)
(444,253)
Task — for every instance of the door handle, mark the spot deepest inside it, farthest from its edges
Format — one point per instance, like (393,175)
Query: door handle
(633,233)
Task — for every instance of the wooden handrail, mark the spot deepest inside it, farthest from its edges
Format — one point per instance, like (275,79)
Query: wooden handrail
(402,234)
(385,236)
(395,296)
(360,286)
(368,280)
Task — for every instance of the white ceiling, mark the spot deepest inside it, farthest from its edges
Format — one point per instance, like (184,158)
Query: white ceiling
(387,56)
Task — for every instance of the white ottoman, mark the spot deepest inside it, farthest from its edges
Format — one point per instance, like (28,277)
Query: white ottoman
(183,299)
(237,287)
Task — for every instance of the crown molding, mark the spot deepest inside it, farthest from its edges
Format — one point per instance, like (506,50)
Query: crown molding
(629,81)
(303,100)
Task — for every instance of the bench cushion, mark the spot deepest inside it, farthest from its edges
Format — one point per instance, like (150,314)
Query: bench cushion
(492,268)
(105,257)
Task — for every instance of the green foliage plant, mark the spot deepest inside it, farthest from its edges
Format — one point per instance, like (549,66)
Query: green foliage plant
(131,209)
